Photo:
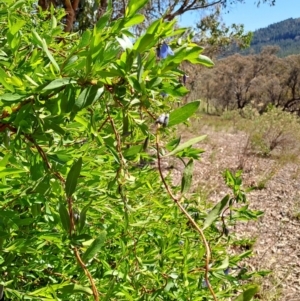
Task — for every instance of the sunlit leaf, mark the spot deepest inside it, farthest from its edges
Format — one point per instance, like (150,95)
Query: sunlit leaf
(76,289)
(183,113)
(95,247)
(186,144)
(88,96)
(248,294)
(215,212)
(57,83)
(134,6)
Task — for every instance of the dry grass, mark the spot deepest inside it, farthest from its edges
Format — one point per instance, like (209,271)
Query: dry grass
(277,176)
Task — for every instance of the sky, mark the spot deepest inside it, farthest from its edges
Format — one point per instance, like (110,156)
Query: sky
(251,16)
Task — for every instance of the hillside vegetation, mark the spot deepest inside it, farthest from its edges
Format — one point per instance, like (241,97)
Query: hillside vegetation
(257,80)
(284,34)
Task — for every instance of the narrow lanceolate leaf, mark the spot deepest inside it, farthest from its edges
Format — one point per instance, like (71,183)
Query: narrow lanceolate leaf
(144,42)
(182,114)
(11,97)
(248,294)
(82,217)
(10,171)
(16,5)
(43,43)
(85,39)
(202,60)
(140,69)
(64,216)
(60,82)
(133,6)
(51,58)
(95,247)
(136,19)
(73,177)
(224,265)
(76,289)
(185,145)
(3,77)
(186,180)
(215,212)
(88,96)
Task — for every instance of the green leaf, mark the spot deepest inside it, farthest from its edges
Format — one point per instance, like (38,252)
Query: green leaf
(88,96)
(3,77)
(177,91)
(215,212)
(17,26)
(51,58)
(11,97)
(64,217)
(134,20)
(5,187)
(203,60)
(140,69)
(10,171)
(31,80)
(186,180)
(55,127)
(145,42)
(85,39)
(155,26)
(72,177)
(173,144)
(95,247)
(224,265)
(17,4)
(185,145)
(68,99)
(248,294)
(132,151)
(182,114)
(82,216)
(133,6)
(185,54)
(102,22)
(76,289)
(60,82)
(43,43)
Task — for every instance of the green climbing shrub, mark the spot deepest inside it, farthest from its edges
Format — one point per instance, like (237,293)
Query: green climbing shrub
(83,213)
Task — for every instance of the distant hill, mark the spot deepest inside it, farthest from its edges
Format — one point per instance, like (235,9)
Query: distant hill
(285,34)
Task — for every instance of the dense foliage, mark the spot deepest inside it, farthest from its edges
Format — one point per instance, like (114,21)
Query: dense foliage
(284,34)
(85,215)
(211,30)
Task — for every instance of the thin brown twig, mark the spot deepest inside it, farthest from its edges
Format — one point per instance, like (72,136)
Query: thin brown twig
(88,274)
(102,125)
(70,207)
(122,164)
(191,220)
(149,113)
(119,150)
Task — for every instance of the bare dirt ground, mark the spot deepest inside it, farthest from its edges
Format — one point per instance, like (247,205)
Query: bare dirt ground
(277,233)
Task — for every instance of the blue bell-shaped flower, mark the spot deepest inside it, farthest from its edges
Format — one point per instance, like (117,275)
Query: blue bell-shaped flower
(165,50)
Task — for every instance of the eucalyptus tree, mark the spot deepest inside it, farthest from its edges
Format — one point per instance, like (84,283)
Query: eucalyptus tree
(85,13)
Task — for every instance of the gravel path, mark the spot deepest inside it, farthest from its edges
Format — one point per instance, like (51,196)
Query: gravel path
(277,233)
